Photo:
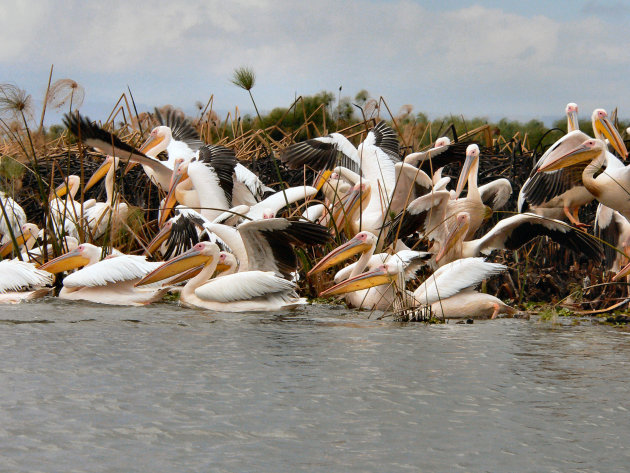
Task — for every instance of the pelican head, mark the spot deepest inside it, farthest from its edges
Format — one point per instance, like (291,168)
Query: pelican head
(384,274)
(201,254)
(442,141)
(362,242)
(70,186)
(158,140)
(462,224)
(587,151)
(572,117)
(351,203)
(82,255)
(268,213)
(28,232)
(605,130)
(470,165)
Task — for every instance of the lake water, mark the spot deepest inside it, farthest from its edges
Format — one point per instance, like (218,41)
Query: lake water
(165,389)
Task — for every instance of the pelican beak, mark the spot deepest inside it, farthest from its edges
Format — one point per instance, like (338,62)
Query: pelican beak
(171,199)
(350,204)
(70,260)
(100,173)
(576,155)
(321,178)
(471,159)
(160,238)
(60,191)
(7,248)
(572,119)
(188,260)
(152,142)
(378,277)
(606,128)
(186,275)
(623,272)
(456,235)
(339,254)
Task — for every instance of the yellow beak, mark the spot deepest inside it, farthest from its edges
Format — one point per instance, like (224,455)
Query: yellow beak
(378,277)
(60,191)
(160,238)
(321,178)
(7,248)
(67,262)
(188,260)
(99,174)
(339,254)
(465,174)
(151,143)
(606,128)
(171,198)
(576,155)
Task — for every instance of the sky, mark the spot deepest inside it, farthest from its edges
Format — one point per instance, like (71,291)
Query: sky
(518,59)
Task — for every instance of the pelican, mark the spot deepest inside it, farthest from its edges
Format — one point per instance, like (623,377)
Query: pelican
(25,240)
(614,229)
(262,286)
(20,281)
(15,215)
(66,213)
(611,187)
(445,282)
(513,232)
(107,281)
(372,162)
(180,140)
(564,188)
(376,297)
(99,214)
(471,304)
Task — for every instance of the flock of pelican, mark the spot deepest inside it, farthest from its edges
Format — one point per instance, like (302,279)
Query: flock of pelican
(223,248)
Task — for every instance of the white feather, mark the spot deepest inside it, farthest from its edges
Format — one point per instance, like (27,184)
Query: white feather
(17,275)
(244,286)
(111,270)
(454,277)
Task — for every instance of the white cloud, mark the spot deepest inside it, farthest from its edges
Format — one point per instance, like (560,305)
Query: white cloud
(461,60)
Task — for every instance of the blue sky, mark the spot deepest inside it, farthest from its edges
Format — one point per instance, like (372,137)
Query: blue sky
(521,59)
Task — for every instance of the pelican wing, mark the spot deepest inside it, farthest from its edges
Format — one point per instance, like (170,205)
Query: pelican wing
(15,214)
(541,187)
(181,128)
(424,214)
(321,153)
(455,277)
(435,158)
(386,138)
(609,226)
(244,286)
(108,143)
(111,270)
(18,276)
(411,182)
(268,242)
(251,181)
(496,194)
(278,200)
(513,232)
(223,161)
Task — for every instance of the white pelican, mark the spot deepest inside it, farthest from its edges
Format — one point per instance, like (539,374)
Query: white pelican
(109,214)
(25,240)
(445,282)
(470,304)
(610,187)
(15,214)
(564,188)
(261,287)
(20,281)
(513,232)
(108,281)
(66,213)
(614,229)
(256,290)
(110,145)
(376,297)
